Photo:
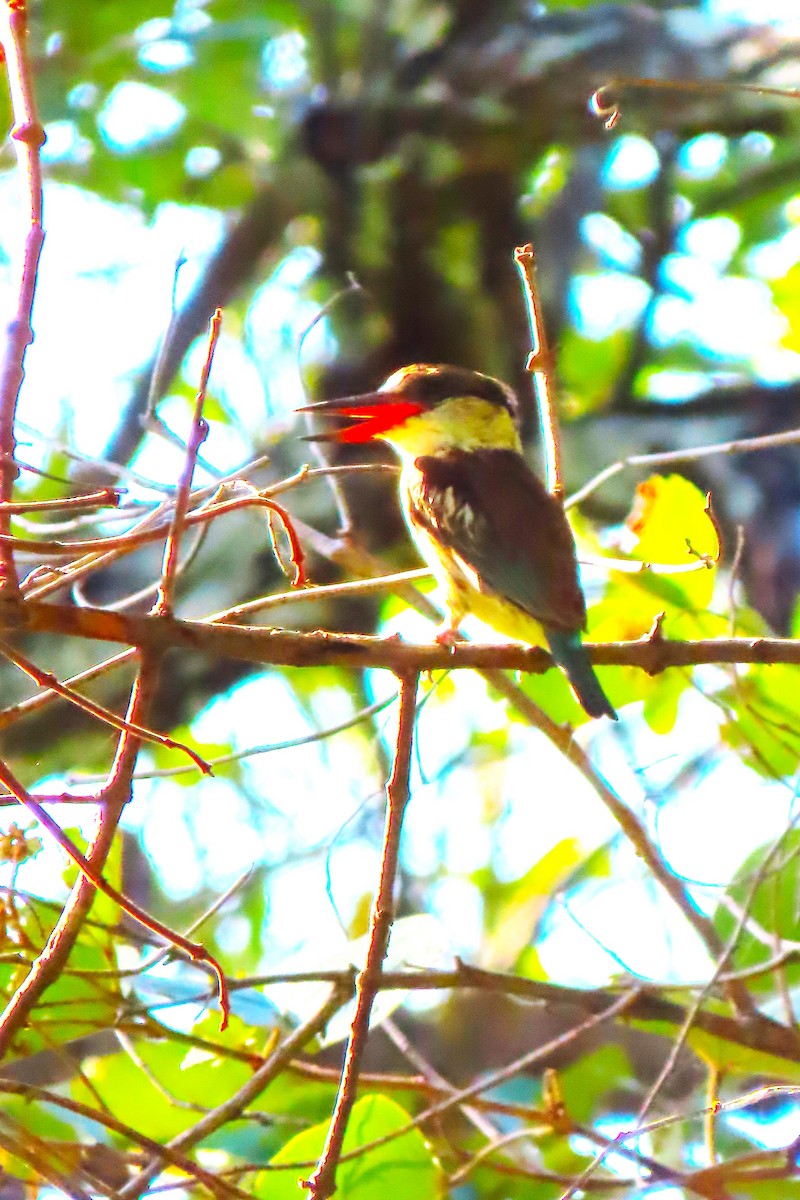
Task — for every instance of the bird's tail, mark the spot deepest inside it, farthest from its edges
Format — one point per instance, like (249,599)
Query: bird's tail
(568,652)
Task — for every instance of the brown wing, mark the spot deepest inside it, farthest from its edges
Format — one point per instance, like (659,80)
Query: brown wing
(489,508)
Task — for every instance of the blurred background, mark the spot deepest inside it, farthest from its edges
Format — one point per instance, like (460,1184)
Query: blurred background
(348,180)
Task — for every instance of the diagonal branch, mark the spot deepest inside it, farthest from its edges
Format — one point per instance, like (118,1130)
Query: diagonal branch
(53,957)
(232,1108)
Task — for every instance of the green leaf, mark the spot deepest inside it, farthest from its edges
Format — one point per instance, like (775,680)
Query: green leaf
(587,369)
(773,907)
(585,1084)
(156,1089)
(731,1058)
(763,719)
(768,1188)
(403,1167)
(786,294)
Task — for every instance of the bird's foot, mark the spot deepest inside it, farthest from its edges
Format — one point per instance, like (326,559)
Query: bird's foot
(447,635)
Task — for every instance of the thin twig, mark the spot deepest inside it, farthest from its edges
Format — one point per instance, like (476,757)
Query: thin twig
(30,1092)
(769,441)
(757,1096)
(709,1124)
(46,679)
(492,1079)
(741,921)
(135,599)
(50,962)
(604,103)
(637,835)
(295,548)
(15,712)
(104,498)
(146,533)
(539,365)
(39,1155)
(435,1081)
(197,435)
(317,448)
(150,420)
(733,580)
(322,1183)
(329,591)
(308,739)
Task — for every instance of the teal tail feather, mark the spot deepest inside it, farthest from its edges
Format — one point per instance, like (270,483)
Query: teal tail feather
(571,656)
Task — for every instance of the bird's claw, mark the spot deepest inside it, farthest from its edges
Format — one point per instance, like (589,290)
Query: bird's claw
(447,636)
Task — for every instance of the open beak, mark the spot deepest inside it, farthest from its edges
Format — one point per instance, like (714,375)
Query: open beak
(374,413)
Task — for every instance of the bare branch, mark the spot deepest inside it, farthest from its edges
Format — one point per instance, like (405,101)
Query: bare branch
(197,435)
(322,1183)
(539,365)
(28,138)
(280,647)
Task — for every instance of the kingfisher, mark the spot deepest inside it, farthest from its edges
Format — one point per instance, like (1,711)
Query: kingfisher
(497,541)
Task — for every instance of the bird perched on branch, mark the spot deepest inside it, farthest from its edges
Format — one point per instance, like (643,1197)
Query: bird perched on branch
(495,538)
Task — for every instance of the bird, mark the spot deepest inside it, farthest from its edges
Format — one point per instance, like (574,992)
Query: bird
(497,541)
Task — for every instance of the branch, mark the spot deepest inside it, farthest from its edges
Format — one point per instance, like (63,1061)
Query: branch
(197,435)
(651,1003)
(47,680)
(322,1183)
(539,366)
(28,138)
(49,966)
(748,445)
(634,830)
(492,1079)
(232,1108)
(51,961)
(286,648)
(31,1093)
(104,498)
(604,102)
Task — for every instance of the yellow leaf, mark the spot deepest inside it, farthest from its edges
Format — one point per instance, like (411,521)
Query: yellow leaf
(671,522)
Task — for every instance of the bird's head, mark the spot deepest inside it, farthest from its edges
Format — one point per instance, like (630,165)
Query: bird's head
(425,409)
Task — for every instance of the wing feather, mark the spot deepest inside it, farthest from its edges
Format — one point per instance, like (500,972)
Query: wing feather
(492,512)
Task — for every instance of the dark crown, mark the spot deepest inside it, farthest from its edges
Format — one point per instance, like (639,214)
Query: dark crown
(431,384)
